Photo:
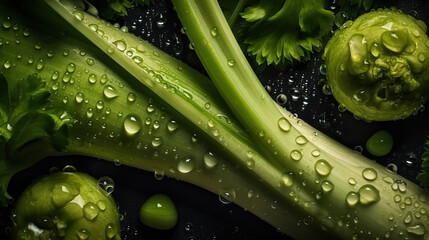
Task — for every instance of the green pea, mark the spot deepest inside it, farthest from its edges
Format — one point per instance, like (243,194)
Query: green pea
(159,212)
(380,143)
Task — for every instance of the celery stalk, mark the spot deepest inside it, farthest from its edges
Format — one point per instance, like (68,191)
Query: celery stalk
(345,195)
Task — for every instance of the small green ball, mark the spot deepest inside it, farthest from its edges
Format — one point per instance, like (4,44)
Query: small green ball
(159,212)
(380,143)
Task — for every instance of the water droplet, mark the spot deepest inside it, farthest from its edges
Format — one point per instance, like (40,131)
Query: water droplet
(368,194)
(322,167)
(99,105)
(90,61)
(410,159)
(110,92)
(7,23)
(111,231)
(82,234)
(421,57)
(150,108)
(92,78)
(107,184)
(40,64)
(296,155)
(90,211)
(352,198)
(132,124)
(131,97)
(110,49)
(418,229)
(66,77)
(351,181)
(391,167)
(7,64)
(287,179)
(327,186)
(369,174)
(78,15)
(79,97)
(301,140)
(213,32)
(186,165)
(250,163)
(120,45)
(340,18)
(62,193)
(315,153)
(89,112)
(156,142)
(281,99)
(210,160)
(227,196)
(101,205)
(322,69)
(172,126)
(231,63)
(284,124)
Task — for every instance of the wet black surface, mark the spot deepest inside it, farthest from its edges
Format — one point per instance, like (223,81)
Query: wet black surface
(201,214)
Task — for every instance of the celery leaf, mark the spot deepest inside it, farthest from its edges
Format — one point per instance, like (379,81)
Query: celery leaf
(281,33)
(27,117)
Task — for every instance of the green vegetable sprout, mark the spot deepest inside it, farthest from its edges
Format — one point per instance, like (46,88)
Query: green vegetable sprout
(377,66)
(65,205)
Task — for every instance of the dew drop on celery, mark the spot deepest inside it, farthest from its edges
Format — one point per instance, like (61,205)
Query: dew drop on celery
(7,23)
(368,194)
(40,64)
(210,160)
(227,196)
(322,167)
(132,124)
(214,32)
(110,92)
(369,174)
(7,64)
(296,155)
(92,78)
(231,63)
(172,126)
(99,105)
(327,186)
(284,124)
(156,142)
(90,211)
(301,140)
(186,165)
(78,15)
(120,45)
(287,179)
(315,153)
(107,184)
(352,198)
(79,97)
(418,229)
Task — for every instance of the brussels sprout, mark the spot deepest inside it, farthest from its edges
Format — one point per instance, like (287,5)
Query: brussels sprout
(65,205)
(377,66)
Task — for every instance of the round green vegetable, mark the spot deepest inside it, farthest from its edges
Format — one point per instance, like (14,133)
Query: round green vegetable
(377,66)
(159,212)
(66,205)
(380,143)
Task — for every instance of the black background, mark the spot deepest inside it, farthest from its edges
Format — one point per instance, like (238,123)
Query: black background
(201,214)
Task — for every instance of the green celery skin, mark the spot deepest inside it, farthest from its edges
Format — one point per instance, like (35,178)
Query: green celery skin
(386,203)
(181,87)
(99,131)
